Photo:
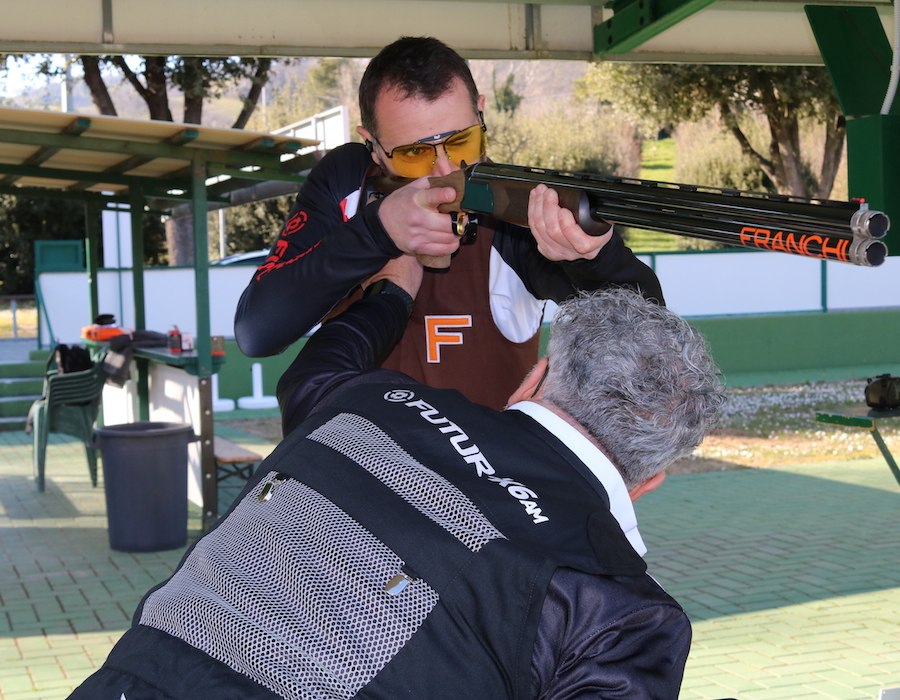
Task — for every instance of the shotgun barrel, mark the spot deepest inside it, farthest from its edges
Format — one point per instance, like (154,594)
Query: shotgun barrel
(848,232)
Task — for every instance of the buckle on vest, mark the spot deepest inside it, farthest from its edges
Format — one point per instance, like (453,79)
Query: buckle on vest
(397,583)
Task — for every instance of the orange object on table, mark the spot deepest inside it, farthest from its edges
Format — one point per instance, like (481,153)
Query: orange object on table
(101,334)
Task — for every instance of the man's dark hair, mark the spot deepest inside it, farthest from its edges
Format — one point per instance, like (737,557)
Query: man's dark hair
(420,67)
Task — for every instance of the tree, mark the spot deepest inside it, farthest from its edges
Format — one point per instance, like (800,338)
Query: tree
(24,220)
(784,96)
(329,83)
(506,99)
(198,79)
(251,226)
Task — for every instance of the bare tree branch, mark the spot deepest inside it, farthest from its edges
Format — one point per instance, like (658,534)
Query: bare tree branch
(119,62)
(833,152)
(731,122)
(94,80)
(259,80)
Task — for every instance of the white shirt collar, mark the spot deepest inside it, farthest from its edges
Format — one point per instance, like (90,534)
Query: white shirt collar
(620,504)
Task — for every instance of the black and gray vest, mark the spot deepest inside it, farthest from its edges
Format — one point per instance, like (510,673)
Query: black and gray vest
(397,544)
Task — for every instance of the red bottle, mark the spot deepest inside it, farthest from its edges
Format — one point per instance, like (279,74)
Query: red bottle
(174,340)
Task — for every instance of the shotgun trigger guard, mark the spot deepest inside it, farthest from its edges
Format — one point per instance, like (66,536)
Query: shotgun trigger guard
(463,225)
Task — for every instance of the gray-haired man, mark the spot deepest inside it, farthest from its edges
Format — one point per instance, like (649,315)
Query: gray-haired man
(405,542)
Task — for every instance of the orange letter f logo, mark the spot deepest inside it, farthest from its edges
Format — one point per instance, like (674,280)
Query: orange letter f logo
(436,334)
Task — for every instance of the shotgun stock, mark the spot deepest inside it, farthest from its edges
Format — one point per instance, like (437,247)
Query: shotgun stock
(848,232)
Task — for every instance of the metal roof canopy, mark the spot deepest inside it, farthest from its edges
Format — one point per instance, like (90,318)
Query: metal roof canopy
(107,162)
(705,31)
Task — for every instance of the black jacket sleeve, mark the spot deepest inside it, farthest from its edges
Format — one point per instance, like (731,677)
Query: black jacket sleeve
(615,265)
(318,258)
(346,350)
(609,637)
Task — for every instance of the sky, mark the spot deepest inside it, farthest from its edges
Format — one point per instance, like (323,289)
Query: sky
(22,74)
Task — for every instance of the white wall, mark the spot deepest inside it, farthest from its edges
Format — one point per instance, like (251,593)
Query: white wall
(694,284)
(752,282)
(169,300)
(715,284)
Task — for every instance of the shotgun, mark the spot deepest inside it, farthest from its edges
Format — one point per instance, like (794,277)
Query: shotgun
(848,232)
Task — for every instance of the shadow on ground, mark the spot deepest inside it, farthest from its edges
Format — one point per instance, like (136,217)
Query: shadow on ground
(726,543)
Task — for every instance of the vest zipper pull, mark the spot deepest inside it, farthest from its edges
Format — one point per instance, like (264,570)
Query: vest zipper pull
(270,487)
(397,583)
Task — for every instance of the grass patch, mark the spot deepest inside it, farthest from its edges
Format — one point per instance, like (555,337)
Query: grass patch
(25,320)
(657,160)
(657,163)
(772,426)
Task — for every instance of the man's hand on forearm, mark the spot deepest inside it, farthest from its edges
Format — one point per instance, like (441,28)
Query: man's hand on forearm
(405,271)
(558,235)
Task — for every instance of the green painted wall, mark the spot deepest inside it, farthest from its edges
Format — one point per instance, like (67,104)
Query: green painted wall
(750,350)
(235,376)
(788,348)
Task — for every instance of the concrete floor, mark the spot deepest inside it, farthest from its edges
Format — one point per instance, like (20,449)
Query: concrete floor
(790,576)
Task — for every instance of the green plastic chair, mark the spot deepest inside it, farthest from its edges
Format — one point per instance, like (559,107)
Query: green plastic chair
(69,405)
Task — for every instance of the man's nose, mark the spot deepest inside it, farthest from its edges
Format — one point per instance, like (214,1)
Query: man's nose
(442,164)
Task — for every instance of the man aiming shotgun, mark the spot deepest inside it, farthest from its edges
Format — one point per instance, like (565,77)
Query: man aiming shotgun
(831,230)
(421,116)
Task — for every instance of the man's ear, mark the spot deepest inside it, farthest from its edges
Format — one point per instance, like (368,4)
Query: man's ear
(366,135)
(529,385)
(651,484)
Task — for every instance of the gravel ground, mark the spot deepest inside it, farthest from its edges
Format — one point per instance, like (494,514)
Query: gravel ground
(769,426)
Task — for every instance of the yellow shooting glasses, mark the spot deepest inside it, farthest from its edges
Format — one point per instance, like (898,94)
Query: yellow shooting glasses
(417,159)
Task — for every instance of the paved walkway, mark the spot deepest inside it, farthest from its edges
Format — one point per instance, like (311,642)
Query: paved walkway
(16,349)
(791,577)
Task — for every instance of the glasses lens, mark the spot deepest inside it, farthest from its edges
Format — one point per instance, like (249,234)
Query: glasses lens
(414,160)
(468,145)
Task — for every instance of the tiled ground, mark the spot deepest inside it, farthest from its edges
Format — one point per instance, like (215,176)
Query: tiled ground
(791,576)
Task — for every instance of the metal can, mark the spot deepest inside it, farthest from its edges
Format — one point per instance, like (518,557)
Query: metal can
(174,340)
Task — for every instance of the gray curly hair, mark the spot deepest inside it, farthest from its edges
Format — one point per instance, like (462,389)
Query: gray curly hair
(636,376)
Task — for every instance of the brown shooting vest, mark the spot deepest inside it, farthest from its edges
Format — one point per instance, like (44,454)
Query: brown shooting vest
(452,341)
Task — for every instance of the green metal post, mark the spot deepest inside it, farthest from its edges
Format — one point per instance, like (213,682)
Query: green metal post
(857,55)
(136,200)
(203,342)
(873,167)
(92,247)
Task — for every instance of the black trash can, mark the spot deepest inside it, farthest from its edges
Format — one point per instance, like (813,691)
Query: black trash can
(145,475)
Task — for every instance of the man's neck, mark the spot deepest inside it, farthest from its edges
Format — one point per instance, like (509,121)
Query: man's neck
(591,454)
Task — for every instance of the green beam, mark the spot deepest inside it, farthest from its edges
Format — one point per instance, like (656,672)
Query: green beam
(184,136)
(873,167)
(266,144)
(255,175)
(126,147)
(49,193)
(856,53)
(92,177)
(292,170)
(104,200)
(635,21)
